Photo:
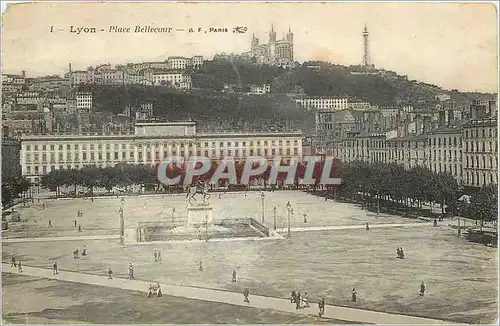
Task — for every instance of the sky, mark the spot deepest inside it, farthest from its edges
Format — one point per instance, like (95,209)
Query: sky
(452,45)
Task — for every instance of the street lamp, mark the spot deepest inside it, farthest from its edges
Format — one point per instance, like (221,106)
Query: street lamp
(274,213)
(122,226)
(206,228)
(290,211)
(262,196)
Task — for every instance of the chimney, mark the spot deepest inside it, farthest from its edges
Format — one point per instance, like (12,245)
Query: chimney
(69,67)
(23,74)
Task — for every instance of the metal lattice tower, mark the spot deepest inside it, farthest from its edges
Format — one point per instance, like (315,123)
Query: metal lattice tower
(366,53)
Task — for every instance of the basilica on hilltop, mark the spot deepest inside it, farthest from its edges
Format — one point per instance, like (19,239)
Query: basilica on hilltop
(275,52)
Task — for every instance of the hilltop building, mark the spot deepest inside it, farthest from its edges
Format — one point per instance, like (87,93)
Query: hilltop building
(275,52)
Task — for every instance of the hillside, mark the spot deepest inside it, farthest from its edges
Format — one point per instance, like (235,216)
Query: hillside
(384,89)
(211,109)
(214,108)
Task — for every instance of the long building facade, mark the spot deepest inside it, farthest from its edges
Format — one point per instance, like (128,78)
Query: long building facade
(149,144)
(468,152)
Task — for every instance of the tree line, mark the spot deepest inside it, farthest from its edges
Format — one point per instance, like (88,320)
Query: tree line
(375,185)
(391,185)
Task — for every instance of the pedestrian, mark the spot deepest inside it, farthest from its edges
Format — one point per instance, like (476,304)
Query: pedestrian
(297,301)
(159,255)
(131,272)
(293,297)
(84,251)
(150,291)
(399,253)
(50,223)
(156,256)
(246,293)
(75,254)
(79,228)
(54,268)
(435,222)
(422,289)
(234,275)
(321,306)
(305,218)
(305,300)
(402,253)
(13,262)
(20,267)
(354,294)
(76,224)
(200,266)
(110,273)
(367,227)
(158,290)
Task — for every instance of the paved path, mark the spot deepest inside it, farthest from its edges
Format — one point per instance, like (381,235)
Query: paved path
(256,301)
(73,238)
(357,226)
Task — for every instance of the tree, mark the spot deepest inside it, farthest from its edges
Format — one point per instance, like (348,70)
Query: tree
(90,177)
(484,204)
(54,180)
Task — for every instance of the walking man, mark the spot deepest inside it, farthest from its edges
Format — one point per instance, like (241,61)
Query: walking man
(110,273)
(75,254)
(13,260)
(20,267)
(200,266)
(76,224)
(246,293)
(159,255)
(79,228)
(422,289)
(131,272)
(234,275)
(156,256)
(367,227)
(354,295)
(50,223)
(54,268)
(321,306)
(297,301)
(84,251)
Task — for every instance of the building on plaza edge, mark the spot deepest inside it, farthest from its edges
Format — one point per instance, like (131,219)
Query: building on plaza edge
(149,144)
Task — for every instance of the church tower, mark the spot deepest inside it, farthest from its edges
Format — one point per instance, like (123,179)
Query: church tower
(272,35)
(289,35)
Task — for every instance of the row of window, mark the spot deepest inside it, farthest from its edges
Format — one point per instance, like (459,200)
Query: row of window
(108,156)
(490,132)
(481,159)
(474,179)
(485,146)
(157,145)
(450,141)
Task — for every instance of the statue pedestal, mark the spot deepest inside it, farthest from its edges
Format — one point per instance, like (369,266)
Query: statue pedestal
(199,214)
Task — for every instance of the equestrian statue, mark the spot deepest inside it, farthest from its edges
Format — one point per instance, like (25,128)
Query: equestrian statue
(199,188)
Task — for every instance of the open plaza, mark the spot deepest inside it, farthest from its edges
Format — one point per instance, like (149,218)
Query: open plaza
(329,252)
